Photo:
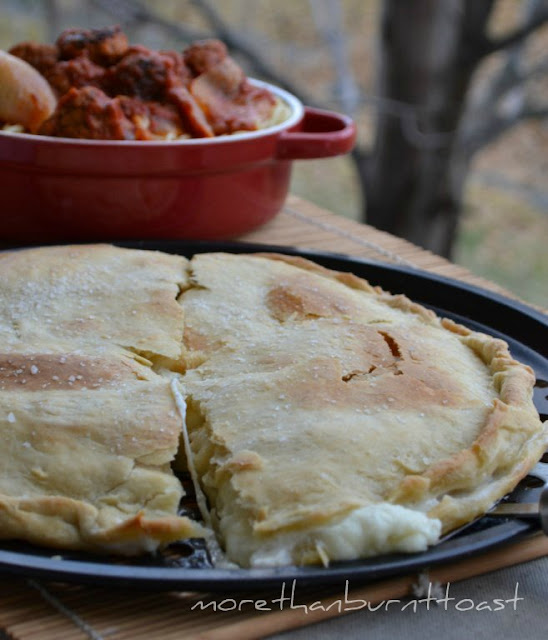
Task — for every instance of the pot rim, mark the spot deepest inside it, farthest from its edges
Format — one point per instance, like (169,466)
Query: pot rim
(295,105)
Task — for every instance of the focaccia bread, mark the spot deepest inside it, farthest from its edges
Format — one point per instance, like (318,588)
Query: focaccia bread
(87,428)
(324,418)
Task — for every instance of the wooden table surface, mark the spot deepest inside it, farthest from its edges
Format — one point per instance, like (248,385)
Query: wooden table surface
(39,611)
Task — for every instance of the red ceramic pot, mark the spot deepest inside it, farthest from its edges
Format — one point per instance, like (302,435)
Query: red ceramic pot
(56,189)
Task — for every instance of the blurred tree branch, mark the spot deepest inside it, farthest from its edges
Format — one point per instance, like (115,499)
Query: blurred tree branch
(328,19)
(131,13)
(52,17)
(504,102)
(539,19)
(416,191)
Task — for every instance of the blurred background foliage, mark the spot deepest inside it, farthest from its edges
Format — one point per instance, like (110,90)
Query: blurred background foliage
(328,51)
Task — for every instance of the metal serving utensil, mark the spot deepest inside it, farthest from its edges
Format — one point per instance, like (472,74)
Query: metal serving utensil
(524,510)
(535,510)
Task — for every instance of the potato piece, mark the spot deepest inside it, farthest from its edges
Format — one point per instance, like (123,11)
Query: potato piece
(25,96)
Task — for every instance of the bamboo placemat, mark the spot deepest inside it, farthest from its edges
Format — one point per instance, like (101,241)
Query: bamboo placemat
(36,611)
(305,225)
(30,610)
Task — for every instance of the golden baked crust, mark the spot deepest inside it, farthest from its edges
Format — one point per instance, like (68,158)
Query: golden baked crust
(327,419)
(332,420)
(88,429)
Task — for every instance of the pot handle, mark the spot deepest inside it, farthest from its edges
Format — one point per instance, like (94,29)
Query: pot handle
(321,134)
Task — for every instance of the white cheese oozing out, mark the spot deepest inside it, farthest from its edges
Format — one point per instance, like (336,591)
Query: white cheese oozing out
(200,497)
(371,530)
(217,556)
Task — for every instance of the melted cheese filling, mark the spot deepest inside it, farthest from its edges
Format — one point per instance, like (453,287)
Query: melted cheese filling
(200,496)
(217,555)
(368,531)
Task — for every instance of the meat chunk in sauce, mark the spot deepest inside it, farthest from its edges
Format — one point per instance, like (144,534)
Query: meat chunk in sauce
(152,120)
(77,73)
(191,113)
(228,101)
(147,74)
(102,46)
(203,55)
(40,56)
(89,113)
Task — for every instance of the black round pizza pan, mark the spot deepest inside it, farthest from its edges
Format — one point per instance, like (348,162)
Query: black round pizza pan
(524,328)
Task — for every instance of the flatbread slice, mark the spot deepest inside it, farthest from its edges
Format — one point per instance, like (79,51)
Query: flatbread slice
(330,420)
(87,428)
